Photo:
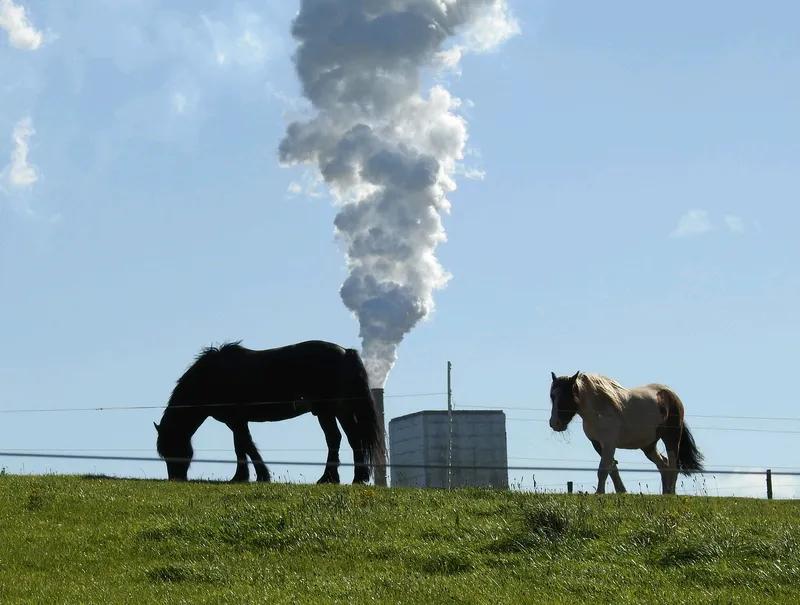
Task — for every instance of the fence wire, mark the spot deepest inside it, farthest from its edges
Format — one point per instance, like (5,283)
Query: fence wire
(388,465)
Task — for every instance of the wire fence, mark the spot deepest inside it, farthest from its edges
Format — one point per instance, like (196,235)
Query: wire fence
(302,404)
(101,454)
(307,402)
(182,406)
(497,406)
(767,473)
(388,465)
(748,467)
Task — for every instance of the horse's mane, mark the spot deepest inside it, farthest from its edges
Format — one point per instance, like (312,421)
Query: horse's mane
(602,387)
(200,365)
(225,347)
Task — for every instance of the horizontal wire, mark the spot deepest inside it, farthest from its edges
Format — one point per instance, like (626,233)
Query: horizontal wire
(113,408)
(699,428)
(721,416)
(756,468)
(150,449)
(309,402)
(473,467)
(734,466)
(109,408)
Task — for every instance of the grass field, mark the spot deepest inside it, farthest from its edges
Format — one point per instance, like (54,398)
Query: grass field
(96,540)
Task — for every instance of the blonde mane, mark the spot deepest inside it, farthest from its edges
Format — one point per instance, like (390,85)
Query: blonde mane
(592,386)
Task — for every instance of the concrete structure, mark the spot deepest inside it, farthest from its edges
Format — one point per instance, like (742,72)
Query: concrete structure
(479,439)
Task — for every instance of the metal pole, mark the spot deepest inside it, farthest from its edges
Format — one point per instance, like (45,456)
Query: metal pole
(449,428)
(569,487)
(769,484)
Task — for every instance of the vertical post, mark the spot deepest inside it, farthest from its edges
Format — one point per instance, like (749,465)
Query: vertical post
(769,484)
(449,427)
(380,464)
(569,487)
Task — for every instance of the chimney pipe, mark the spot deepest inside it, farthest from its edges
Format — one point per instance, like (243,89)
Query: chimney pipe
(380,465)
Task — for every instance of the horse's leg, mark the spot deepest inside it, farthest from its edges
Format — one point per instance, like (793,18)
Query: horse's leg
(361,472)
(619,487)
(651,451)
(334,439)
(672,456)
(671,438)
(240,445)
(262,472)
(606,465)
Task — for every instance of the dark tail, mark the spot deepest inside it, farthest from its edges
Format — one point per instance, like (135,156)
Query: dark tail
(675,430)
(689,457)
(369,426)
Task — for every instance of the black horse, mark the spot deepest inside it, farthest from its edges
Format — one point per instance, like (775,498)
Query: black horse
(236,385)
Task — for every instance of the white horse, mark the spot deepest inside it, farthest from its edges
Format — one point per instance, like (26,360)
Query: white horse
(616,417)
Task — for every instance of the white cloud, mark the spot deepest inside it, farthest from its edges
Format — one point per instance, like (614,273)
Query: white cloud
(19,173)
(245,43)
(693,223)
(21,34)
(735,224)
(449,60)
(494,25)
(470,172)
(309,185)
(698,222)
(179,102)
(490,24)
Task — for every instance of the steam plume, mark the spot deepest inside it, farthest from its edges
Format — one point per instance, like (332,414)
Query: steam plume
(387,151)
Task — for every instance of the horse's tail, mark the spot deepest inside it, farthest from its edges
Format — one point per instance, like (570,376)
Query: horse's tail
(369,426)
(689,458)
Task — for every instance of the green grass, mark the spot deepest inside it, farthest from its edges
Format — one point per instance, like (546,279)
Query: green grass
(96,540)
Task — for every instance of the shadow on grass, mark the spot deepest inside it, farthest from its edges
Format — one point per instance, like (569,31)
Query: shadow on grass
(447,562)
(172,573)
(547,524)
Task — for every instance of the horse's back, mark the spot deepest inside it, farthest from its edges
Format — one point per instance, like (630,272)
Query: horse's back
(233,373)
(302,352)
(646,391)
(302,355)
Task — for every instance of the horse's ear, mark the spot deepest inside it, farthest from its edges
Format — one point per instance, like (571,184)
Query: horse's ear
(158,428)
(576,386)
(553,374)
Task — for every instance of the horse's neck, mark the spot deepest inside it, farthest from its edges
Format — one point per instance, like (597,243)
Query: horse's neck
(183,420)
(594,406)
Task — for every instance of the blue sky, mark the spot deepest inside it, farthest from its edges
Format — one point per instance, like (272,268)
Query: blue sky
(636,218)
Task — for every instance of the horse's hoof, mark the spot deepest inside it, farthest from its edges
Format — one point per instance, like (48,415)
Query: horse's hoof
(328,479)
(361,478)
(240,479)
(264,479)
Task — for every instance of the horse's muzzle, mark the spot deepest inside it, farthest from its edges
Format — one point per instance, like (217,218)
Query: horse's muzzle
(557,426)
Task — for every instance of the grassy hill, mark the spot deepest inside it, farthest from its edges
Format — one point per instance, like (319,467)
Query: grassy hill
(95,540)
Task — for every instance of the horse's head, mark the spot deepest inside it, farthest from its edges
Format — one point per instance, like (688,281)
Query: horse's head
(176,450)
(564,397)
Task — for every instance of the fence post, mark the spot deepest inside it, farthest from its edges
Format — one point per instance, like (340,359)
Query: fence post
(769,484)
(569,487)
